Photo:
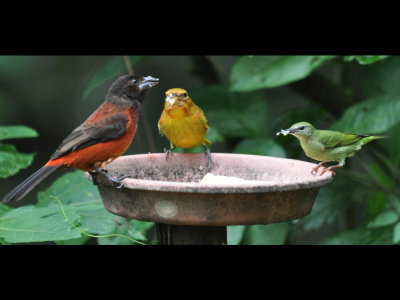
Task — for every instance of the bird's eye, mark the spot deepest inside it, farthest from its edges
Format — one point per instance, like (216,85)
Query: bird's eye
(185,95)
(302,127)
(133,81)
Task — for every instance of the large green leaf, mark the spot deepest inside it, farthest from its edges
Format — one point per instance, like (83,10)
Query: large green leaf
(331,201)
(382,78)
(271,234)
(385,218)
(233,114)
(11,161)
(76,191)
(235,234)
(260,146)
(31,224)
(111,69)
(80,196)
(373,116)
(13,132)
(257,72)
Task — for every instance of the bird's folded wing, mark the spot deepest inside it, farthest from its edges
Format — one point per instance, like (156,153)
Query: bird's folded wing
(106,129)
(338,139)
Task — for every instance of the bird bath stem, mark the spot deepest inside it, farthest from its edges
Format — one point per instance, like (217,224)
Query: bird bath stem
(188,212)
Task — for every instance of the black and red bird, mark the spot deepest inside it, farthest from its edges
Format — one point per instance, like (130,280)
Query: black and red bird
(104,136)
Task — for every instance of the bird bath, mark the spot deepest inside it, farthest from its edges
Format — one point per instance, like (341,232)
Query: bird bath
(168,193)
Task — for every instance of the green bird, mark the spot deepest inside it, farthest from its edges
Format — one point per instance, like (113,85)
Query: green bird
(327,146)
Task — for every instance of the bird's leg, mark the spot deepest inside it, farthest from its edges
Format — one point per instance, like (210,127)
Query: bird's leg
(331,168)
(103,172)
(94,176)
(321,164)
(168,151)
(209,160)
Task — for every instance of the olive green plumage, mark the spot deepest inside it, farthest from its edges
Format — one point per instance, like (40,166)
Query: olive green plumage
(326,145)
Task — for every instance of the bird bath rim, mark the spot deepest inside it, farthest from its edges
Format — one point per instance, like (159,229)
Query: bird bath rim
(300,181)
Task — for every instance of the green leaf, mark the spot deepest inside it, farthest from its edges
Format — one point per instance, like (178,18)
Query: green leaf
(366,59)
(376,202)
(132,228)
(4,208)
(372,116)
(379,175)
(233,114)
(382,78)
(31,224)
(271,234)
(78,193)
(78,241)
(80,196)
(13,132)
(358,236)
(235,234)
(385,218)
(111,69)
(260,146)
(392,146)
(396,233)
(257,72)
(331,201)
(12,161)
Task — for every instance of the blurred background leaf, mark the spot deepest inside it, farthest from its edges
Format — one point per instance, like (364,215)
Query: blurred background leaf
(256,72)
(372,116)
(114,67)
(11,161)
(271,234)
(14,132)
(366,59)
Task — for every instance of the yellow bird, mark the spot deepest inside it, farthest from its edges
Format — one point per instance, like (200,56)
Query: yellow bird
(183,123)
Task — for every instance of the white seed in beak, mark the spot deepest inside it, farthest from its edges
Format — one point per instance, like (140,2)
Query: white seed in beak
(283,131)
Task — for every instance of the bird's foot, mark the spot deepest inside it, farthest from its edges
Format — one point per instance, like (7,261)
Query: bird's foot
(117,181)
(209,160)
(314,170)
(340,165)
(326,170)
(168,152)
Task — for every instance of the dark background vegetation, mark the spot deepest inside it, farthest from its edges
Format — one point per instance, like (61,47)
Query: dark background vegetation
(247,100)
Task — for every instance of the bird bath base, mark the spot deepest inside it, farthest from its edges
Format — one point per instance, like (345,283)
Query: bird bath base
(168,192)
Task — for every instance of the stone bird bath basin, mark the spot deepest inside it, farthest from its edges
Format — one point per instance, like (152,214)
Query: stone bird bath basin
(187,212)
(169,192)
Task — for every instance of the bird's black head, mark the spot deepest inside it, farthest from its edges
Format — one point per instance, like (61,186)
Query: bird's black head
(131,87)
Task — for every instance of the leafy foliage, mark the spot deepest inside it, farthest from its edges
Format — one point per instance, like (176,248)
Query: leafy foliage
(11,161)
(362,204)
(83,208)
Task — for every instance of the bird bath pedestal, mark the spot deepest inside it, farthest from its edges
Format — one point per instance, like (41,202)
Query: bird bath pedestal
(185,211)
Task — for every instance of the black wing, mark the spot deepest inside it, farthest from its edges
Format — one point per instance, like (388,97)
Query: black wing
(108,128)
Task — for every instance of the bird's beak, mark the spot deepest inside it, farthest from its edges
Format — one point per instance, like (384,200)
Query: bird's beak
(170,100)
(148,82)
(284,131)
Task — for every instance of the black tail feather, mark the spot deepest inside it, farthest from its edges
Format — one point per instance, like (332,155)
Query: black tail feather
(28,184)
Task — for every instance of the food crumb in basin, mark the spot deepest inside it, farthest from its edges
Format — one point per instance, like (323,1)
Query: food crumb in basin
(210,178)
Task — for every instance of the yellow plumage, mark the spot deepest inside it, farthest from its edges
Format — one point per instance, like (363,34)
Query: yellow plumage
(182,122)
